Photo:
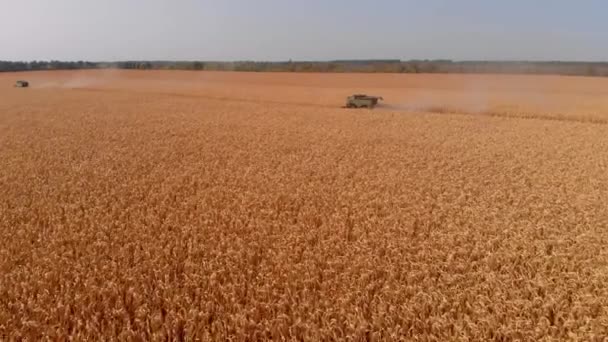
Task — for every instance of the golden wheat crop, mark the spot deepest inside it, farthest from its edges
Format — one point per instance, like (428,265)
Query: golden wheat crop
(128,213)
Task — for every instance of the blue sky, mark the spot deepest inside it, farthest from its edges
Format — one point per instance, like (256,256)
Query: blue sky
(303,30)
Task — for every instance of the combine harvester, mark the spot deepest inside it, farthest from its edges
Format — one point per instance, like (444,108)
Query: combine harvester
(362,101)
(22,84)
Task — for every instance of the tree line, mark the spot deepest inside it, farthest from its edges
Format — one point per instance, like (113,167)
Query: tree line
(45,65)
(337,66)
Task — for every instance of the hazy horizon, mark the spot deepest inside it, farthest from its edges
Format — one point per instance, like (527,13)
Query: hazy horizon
(307,61)
(237,30)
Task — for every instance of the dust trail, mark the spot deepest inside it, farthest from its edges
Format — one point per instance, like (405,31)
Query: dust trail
(45,84)
(86,80)
(479,96)
(472,97)
(582,118)
(79,79)
(510,98)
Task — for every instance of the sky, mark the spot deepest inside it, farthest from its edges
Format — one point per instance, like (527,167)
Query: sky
(275,30)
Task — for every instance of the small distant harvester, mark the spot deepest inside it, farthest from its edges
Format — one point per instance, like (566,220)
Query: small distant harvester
(362,101)
(22,84)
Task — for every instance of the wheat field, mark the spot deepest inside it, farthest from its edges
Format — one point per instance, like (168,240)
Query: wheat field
(201,206)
